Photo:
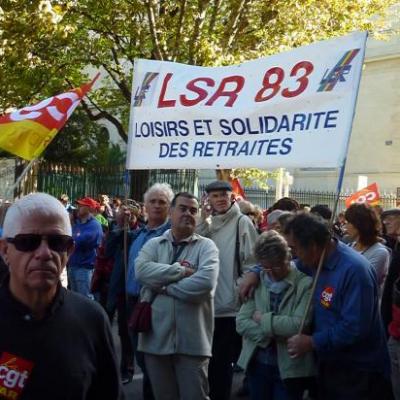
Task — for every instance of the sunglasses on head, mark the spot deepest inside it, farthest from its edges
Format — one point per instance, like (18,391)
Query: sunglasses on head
(31,241)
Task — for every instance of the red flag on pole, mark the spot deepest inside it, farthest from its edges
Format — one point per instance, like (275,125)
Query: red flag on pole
(237,188)
(28,131)
(369,195)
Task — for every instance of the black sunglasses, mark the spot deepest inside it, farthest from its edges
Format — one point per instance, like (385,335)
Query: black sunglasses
(31,241)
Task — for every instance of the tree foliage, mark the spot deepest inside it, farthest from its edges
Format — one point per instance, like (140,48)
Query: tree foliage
(47,45)
(84,143)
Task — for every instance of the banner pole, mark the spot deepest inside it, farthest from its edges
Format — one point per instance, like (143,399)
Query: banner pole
(11,188)
(126,229)
(323,254)
(338,190)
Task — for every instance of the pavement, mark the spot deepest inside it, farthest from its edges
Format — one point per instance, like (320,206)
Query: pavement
(133,390)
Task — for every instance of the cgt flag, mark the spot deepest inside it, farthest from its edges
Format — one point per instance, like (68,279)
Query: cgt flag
(28,131)
(369,195)
(237,188)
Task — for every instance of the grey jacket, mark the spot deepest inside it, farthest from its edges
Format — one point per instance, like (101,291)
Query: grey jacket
(222,229)
(183,317)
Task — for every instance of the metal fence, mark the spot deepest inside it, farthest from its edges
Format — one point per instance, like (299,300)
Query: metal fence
(311,198)
(77,182)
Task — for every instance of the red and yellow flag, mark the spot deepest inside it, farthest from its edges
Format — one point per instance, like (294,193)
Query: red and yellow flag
(369,195)
(28,131)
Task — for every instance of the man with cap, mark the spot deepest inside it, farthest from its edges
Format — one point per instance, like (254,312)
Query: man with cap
(234,235)
(87,234)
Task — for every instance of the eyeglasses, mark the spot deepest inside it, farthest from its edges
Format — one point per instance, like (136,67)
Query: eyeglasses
(30,241)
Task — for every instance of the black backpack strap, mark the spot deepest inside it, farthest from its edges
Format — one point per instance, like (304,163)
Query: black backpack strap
(237,249)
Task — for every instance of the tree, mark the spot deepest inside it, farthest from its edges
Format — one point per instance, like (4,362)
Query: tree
(46,45)
(92,148)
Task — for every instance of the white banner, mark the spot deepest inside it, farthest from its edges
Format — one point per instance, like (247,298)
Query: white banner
(293,109)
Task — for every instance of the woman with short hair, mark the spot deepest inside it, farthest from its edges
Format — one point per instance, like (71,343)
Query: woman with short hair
(266,321)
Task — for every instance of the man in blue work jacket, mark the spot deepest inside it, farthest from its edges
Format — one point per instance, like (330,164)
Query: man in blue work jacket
(348,335)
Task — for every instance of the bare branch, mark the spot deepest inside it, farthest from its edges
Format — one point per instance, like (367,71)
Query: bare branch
(198,25)
(214,14)
(119,82)
(234,24)
(102,114)
(153,29)
(175,50)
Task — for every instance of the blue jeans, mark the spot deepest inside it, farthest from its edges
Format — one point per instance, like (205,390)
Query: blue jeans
(265,382)
(79,280)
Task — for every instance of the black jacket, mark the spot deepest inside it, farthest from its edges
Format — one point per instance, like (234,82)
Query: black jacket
(67,355)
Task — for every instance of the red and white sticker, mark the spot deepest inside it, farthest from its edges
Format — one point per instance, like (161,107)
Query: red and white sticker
(14,374)
(327,297)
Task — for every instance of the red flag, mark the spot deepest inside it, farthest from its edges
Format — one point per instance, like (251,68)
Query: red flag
(237,188)
(369,195)
(28,131)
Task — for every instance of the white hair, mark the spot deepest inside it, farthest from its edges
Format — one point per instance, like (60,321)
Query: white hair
(34,203)
(164,188)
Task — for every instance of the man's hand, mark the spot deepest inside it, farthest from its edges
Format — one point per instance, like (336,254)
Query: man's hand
(299,344)
(248,285)
(257,315)
(188,272)
(206,209)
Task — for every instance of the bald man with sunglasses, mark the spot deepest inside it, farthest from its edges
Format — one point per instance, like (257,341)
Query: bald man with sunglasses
(54,344)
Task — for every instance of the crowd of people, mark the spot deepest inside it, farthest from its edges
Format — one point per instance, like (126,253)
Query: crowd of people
(198,289)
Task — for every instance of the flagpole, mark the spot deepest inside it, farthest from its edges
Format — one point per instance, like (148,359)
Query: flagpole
(12,187)
(323,254)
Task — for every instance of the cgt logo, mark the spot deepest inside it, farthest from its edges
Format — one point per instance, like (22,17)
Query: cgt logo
(342,68)
(327,297)
(14,373)
(141,91)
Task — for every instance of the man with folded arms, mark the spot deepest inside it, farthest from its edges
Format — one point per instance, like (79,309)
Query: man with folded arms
(179,272)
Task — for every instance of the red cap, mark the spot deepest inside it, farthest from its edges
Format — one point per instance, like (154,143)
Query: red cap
(89,202)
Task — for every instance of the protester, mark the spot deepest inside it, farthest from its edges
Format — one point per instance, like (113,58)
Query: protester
(363,227)
(116,204)
(269,319)
(102,271)
(249,209)
(322,210)
(54,344)
(66,203)
(179,272)
(104,201)
(157,200)
(390,306)
(347,327)
(116,299)
(274,219)
(101,219)
(87,234)
(3,211)
(286,204)
(394,340)
(234,236)
(391,221)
